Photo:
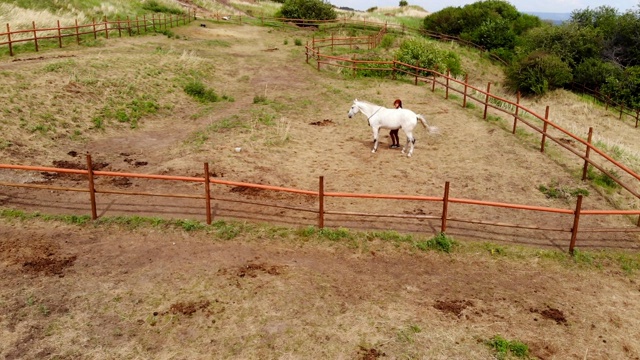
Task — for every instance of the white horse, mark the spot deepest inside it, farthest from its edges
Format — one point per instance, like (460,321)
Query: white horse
(382,117)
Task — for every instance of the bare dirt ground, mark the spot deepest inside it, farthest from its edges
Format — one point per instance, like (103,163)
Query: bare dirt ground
(84,292)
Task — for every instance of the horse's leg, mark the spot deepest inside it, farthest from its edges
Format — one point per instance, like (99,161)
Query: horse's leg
(410,143)
(375,139)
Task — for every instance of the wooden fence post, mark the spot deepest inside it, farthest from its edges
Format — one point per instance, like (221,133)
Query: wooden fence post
(332,43)
(207,192)
(515,117)
(144,21)
(106,27)
(464,95)
(544,128)
(446,91)
(433,83)
(416,76)
(354,65)
(77,33)
(9,40)
(321,202)
(59,36)
(153,21)
(35,35)
(95,36)
(586,155)
(445,208)
(621,109)
(574,229)
(486,101)
(637,115)
(119,27)
(393,72)
(92,190)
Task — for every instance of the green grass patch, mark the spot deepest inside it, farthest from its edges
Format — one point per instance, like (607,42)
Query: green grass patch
(197,90)
(505,348)
(554,191)
(440,242)
(603,180)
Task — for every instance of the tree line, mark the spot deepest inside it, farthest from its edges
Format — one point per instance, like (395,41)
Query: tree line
(598,49)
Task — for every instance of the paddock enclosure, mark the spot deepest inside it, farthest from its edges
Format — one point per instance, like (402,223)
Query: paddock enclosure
(103,292)
(296,135)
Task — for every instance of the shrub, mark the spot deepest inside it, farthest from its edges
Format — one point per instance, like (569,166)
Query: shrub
(428,55)
(307,9)
(372,9)
(538,73)
(593,72)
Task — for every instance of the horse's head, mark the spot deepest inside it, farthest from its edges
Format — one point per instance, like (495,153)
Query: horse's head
(354,109)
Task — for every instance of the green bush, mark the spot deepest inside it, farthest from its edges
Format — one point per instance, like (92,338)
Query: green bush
(387,41)
(307,9)
(624,89)
(427,54)
(538,73)
(372,9)
(593,72)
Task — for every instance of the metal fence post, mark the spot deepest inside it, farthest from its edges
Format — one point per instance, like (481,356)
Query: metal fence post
(321,202)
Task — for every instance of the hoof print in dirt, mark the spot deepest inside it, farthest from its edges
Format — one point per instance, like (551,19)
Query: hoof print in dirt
(72,153)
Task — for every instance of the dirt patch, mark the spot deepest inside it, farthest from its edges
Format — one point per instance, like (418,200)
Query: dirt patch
(49,265)
(40,255)
(188,308)
(369,354)
(552,314)
(325,122)
(249,191)
(455,307)
(121,182)
(252,270)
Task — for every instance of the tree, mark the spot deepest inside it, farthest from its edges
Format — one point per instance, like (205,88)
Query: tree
(403,3)
(307,9)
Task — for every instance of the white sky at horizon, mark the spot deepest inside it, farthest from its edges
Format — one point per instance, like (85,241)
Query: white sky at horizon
(550,6)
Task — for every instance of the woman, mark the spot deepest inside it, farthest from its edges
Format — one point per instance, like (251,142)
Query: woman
(395,140)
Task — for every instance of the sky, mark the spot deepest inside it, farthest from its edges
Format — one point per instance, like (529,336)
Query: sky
(550,6)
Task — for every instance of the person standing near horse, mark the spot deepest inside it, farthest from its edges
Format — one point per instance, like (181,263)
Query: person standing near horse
(395,140)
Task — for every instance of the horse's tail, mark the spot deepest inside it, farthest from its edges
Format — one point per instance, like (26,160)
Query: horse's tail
(432,129)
